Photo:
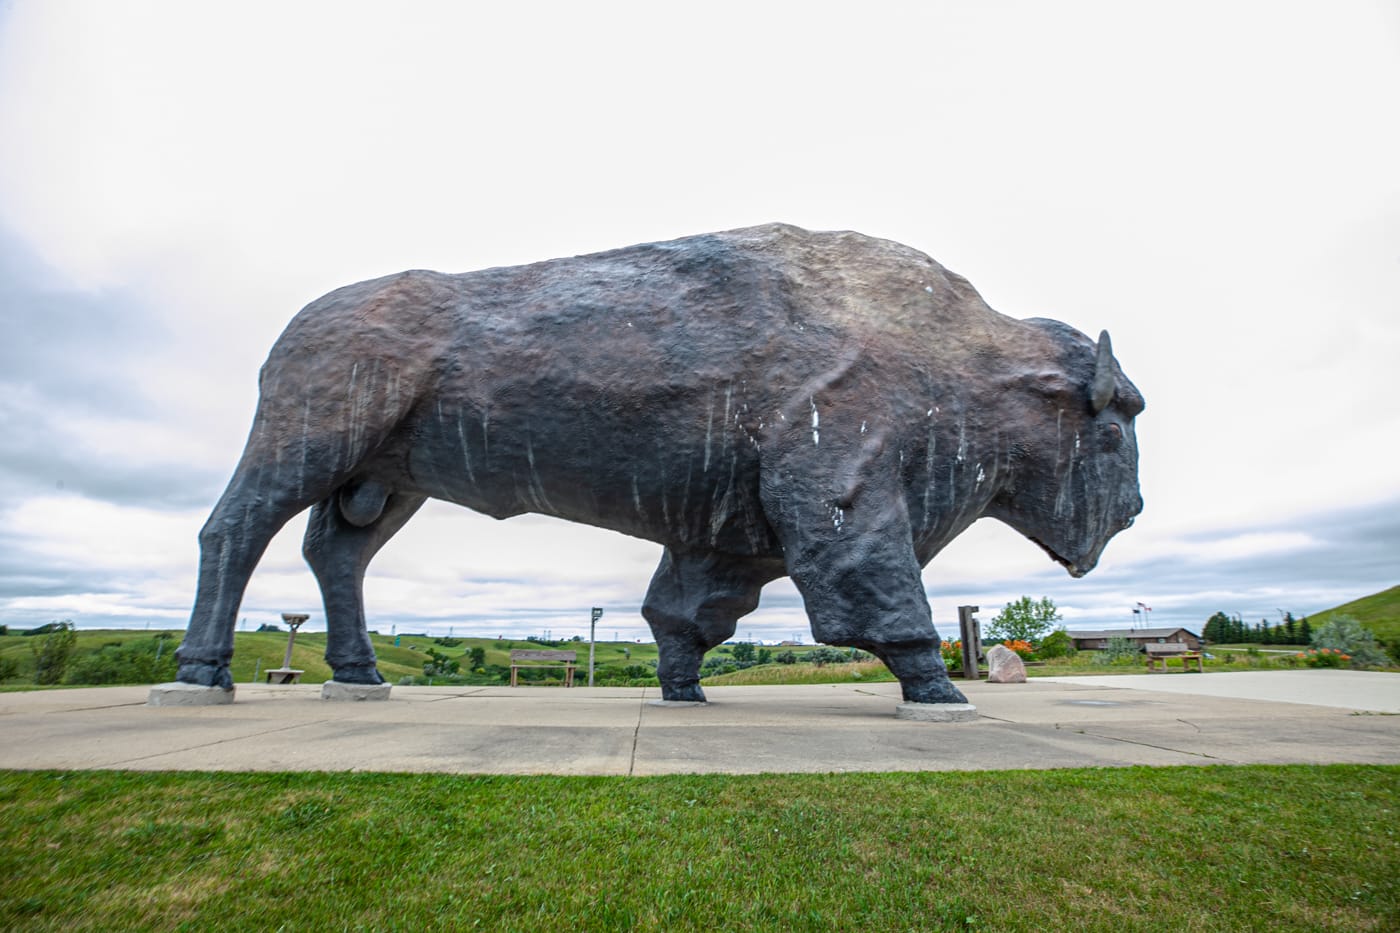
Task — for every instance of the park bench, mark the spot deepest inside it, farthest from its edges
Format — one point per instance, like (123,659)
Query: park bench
(1166,652)
(533,658)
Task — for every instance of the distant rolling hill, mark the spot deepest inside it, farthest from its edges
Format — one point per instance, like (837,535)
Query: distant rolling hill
(1379,612)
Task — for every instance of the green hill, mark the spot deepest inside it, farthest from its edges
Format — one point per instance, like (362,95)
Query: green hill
(256,652)
(1379,612)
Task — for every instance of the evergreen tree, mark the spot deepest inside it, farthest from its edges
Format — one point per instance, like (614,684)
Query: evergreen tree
(1217,628)
(1304,632)
(1290,628)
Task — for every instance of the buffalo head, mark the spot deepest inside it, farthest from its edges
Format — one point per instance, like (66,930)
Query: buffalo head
(1074,477)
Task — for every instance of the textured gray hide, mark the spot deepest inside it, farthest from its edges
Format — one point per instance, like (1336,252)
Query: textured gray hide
(760,402)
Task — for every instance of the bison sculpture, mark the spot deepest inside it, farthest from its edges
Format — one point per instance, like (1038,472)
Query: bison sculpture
(760,402)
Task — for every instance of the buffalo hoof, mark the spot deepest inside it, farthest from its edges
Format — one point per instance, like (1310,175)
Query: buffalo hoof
(936,691)
(205,674)
(358,674)
(688,693)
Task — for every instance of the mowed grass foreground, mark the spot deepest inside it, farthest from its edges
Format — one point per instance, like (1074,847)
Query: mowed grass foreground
(1212,848)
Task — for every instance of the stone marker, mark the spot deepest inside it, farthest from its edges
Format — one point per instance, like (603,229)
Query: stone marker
(1005,666)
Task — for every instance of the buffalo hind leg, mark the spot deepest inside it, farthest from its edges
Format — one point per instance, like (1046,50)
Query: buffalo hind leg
(693,604)
(343,534)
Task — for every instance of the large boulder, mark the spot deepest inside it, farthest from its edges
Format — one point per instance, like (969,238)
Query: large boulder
(1005,666)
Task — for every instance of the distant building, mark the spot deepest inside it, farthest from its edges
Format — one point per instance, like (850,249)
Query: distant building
(1093,641)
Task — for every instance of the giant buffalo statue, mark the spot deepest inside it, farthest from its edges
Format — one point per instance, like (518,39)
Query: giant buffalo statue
(760,402)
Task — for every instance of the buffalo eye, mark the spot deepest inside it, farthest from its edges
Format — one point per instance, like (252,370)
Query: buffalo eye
(1113,435)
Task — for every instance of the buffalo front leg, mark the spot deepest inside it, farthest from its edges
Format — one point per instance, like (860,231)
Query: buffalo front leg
(693,604)
(851,556)
(339,551)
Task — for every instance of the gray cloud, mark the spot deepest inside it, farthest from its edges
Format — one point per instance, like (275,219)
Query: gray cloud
(69,355)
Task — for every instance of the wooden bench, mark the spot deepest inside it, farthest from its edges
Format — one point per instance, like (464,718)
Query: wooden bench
(1171,650)
(531,658)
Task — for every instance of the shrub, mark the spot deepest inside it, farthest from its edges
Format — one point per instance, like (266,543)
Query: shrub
(478,657)
(1057,644)
(952,654)
(1119,650)
(140,661)
(1022,648)
(1344,634)
(440,665)
(786,657)
(52,652)
(9,668)
(825,655)
(1323,657)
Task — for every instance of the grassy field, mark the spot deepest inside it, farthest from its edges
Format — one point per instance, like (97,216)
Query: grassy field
(1379,612)
(1213,848)
(257,651)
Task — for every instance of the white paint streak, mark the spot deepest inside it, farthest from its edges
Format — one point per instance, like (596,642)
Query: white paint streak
(709,431)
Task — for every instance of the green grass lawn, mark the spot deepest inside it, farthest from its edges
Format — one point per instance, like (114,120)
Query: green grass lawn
(1211,848)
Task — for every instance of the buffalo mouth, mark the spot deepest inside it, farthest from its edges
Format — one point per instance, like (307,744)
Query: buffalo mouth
(1070,566)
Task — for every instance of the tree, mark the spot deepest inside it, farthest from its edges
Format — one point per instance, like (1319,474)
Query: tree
(478,657)
(1025,619)
(743,652)
(52,652)
(1217,629)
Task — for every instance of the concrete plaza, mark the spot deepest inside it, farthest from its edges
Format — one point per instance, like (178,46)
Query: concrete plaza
(1162,719)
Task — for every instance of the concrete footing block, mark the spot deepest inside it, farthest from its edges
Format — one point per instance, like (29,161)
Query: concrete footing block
(936,712)
(178,693)
(338,692)
(677,703)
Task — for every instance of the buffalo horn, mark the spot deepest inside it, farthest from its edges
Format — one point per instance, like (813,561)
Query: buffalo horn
(1102,390)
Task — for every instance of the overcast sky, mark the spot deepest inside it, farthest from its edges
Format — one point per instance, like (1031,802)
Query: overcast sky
(1216,183)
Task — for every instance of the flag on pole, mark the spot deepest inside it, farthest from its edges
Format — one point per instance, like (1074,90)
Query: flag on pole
(1145,606)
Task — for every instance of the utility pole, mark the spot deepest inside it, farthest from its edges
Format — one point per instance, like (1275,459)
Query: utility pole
(592,631)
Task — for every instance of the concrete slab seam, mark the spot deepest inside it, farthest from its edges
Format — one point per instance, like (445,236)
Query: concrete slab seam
(240,738)
(637,732)
(1163,748)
